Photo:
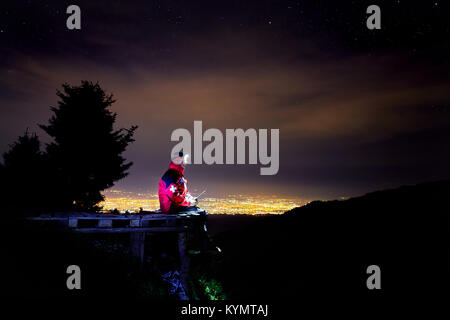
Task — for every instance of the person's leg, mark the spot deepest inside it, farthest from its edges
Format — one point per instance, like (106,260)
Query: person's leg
(174,209)
(177,209)
(192,208)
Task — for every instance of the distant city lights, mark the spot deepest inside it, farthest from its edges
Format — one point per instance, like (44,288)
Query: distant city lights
(232,204)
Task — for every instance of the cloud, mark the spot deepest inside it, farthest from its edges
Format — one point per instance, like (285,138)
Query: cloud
(231,80)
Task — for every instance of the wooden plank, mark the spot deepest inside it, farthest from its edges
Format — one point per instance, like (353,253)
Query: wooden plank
(119,230)
(137,242)
(184,262)
(163,222)
(47,218)
(105,223)
(153,218)
(171,222)
(73,222)
(135,223)
(110,217)
(103,218)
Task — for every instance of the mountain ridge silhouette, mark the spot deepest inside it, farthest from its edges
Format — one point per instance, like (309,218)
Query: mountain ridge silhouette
(323,249)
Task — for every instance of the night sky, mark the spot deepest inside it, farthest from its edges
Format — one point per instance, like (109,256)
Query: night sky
(358,110)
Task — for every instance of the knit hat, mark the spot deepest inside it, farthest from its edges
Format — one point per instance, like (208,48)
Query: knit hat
(180,159)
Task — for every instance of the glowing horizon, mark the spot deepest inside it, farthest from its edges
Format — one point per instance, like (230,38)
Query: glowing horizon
(229,204)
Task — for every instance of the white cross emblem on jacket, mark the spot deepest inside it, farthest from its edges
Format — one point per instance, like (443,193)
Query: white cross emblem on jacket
(173,188)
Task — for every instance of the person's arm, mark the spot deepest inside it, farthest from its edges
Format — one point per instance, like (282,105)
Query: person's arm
(179,195)
(193,201)
(189,198)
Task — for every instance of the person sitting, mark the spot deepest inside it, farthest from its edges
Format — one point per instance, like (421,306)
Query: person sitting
(173,193)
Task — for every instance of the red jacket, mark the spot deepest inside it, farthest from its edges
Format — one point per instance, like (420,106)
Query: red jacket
(173,191)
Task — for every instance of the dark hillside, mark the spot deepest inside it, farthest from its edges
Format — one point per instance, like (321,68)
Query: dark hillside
(322,250)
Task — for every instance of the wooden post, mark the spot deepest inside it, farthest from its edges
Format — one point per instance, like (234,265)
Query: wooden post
(137,240)
(104,223)
(73,222)
(184,262)
(135,223)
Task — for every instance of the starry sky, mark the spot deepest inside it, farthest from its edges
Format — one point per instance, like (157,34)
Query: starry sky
(358,110)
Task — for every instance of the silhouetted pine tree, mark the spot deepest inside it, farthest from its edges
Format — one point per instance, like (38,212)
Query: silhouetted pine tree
(86,154)
(24,175)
